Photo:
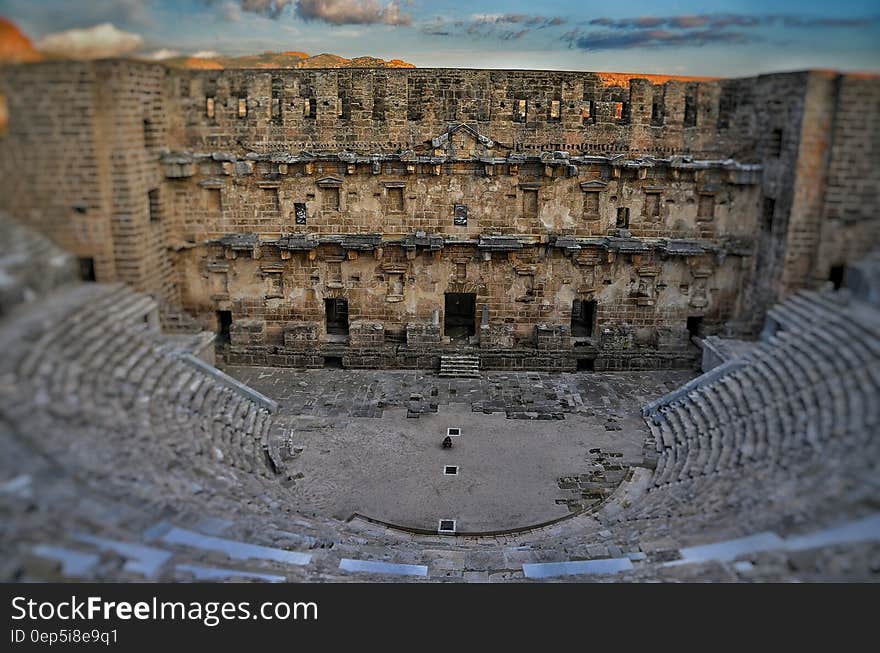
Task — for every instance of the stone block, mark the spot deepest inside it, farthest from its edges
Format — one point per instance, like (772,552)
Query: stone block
(301,335)
(496,336)
(247,333)
(366,335)
(419,334)
(552,337)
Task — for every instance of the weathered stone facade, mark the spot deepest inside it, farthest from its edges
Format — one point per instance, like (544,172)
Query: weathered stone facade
(382,218)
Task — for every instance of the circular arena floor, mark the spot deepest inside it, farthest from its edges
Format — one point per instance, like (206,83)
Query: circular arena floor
(533,447)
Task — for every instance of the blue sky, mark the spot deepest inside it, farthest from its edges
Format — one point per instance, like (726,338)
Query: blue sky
(684,37)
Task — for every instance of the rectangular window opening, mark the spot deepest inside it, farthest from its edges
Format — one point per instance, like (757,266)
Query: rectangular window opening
(224,326)
(378,107)
(336,312)
(242,107)
(622,218)
(155,205)
(694,324)
(520,110)
(530,203)
(299,213)
(690,111)
(656,113)
(837,275)
(87,269)
(395,199)
(310,108)
(588,113)
(768,212)
(460,215)
(583,315)
(209,107)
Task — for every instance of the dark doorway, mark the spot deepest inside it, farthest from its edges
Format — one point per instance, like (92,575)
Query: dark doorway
(586,364)
(836,276)
(583,313)
(224,323)
(336,311)
(87,269)
(333,362)
(460,315)
(694,323)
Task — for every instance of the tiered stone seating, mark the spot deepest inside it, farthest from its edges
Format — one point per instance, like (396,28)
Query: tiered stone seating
(102,364)
(112,442)
(811,381)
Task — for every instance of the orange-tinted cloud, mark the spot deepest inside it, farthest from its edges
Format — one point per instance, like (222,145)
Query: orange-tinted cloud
(98,42)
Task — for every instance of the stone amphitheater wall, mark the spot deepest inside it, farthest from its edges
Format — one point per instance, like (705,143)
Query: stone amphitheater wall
(125,164)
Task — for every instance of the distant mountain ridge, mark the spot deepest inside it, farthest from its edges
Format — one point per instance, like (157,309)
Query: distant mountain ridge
(15,47)
(291,59)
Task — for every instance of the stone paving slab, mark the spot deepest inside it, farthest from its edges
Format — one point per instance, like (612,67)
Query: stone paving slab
(217,573)
(140,559)
(74,564)
(576,568)
(373,567)
(234,549)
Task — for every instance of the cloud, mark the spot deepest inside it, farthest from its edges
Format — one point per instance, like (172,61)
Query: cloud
(97,42)
(206,54)
(352,12)
(231,11)
(270,8)
(721,21)
(693,30)
(333,12)
(163,53)
(653,38)
(490,26)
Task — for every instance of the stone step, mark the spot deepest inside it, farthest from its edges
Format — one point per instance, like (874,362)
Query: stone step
(460,365)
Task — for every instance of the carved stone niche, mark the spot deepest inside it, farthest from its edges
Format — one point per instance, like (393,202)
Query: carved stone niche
(395,290)
(273,274)
(588,280)
(699,297)
(643,289)
(218,274)
(334,272)
(586,258)
(527,272)
(592,202)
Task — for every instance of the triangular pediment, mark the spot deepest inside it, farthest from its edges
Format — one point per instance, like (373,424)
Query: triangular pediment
(462,140)
(329,182)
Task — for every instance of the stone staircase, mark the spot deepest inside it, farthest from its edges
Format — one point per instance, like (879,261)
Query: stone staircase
(460,365)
